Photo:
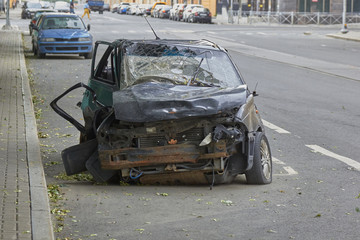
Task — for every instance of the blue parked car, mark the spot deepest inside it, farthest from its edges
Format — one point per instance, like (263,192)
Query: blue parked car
(123,8)
(61,33)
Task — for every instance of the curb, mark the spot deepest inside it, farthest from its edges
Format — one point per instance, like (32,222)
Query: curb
(343,37)
(40,209)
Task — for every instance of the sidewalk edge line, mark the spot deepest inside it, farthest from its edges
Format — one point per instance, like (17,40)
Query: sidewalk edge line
(41,224)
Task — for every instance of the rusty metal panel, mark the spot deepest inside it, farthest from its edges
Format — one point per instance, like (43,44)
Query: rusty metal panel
(136,157)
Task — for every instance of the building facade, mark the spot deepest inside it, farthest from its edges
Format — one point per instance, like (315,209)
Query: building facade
(302,6)
(332,6)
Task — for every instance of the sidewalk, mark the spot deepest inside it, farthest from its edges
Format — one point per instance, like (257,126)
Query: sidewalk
(351,35)
(24,205)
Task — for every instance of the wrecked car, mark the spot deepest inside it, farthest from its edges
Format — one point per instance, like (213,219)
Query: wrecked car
(167,111)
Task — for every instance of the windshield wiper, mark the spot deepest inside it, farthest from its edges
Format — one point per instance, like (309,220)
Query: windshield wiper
(206,84)
(156,79)
(195,73)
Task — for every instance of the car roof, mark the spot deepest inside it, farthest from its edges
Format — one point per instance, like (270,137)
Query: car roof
(196,8)
(57,14)
(194,5)
(203,43)
(47,10)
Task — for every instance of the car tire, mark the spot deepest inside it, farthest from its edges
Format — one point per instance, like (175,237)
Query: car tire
(261,171)
(39,54)
(87,55)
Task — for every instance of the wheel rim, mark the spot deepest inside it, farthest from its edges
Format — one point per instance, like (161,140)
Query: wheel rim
(265,159)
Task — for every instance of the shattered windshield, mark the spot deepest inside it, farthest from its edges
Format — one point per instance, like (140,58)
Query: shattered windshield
(177,64)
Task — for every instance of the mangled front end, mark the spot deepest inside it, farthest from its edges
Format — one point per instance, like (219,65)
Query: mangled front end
(176,139)
(176,113)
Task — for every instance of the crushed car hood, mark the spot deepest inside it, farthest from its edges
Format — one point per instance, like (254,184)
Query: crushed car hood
(149,102)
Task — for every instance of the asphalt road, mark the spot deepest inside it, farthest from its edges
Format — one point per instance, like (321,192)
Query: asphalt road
(309,97)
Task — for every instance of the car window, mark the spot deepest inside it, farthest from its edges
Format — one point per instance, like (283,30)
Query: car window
(37,14)
(33,5)
(63,23)
(61,5)
(104,63)
(178,64)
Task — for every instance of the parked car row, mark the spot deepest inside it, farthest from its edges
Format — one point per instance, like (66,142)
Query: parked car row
(179,12)
(29,8)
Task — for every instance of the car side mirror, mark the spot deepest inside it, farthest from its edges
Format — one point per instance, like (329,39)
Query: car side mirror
(35,27)
(88,27)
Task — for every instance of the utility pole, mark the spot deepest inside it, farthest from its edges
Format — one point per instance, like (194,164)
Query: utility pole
(8,26)
(344,29)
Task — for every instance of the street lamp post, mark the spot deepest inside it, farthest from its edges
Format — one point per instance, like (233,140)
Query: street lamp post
(344,28)
(8,26)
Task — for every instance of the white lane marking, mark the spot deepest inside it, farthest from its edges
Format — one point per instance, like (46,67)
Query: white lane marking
(181,31)
(274,127)
(114,19)
(211,32)
(288,169)
(348,161)
(131,31)
(114,31)
(275,160)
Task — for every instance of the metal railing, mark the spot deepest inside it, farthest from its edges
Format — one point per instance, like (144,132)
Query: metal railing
(252,17)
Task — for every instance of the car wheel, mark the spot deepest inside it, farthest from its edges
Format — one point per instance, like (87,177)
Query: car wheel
(261,171)
(39,54)
(88,55)
(94,167)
